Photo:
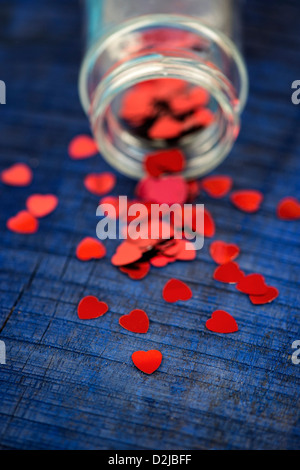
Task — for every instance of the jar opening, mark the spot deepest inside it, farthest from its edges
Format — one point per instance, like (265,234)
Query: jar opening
(162,98)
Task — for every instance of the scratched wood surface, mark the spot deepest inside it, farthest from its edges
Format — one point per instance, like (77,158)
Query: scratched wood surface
(70,384)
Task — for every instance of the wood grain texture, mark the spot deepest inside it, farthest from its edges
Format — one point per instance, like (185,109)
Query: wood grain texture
(70,384)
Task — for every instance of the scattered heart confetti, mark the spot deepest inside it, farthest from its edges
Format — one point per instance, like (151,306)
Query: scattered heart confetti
(137,321)
(147,361)
(252,284)
(270,295)
(100,183)
(175,290)
(166,161)
(222,252)
(288,209)
(40,205)
(23,223)
(247,200)
(18,174)
(90,307)
(222,322)
(90,248)
(82,146)
(229,273)
(217,186)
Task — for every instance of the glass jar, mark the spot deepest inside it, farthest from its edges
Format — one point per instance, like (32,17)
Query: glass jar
(132,44)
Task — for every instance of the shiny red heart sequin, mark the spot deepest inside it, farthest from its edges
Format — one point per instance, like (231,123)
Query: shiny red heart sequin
(100,183)
(288,209)
(127,253)
(270,295)
(90,307)
(247,200)
(175,290)
(147,361)
(166,190)
(82,146)
(165,128)
(137,270)
(137,321)
(40,205)
(222,322)
(166,161)
(18,174)
(222,252)
(229,273)
(90,248)
(23,223)
(252,284)
(217,186)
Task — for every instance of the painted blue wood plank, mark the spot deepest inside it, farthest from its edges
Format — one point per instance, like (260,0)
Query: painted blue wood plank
(70,384)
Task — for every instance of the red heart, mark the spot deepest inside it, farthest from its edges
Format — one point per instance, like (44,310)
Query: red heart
(23,222)
(18,174)
(229,273)
(127,253)
(100,183)
(165,161)
(209,228)
(165,128)
(271,294)
(252,284)
(166,190)
(147,361)
(222,252)
(247,200)
(90,307)
(288,209)
(82,146)
(175,290)
(221,322)
(90,248)
(136,271)
(137,321)
(40,205)
(217,186)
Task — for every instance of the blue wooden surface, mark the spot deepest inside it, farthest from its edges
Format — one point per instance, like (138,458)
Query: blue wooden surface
(70,384)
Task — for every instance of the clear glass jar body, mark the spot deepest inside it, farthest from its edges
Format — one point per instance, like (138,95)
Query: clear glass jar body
(134,41)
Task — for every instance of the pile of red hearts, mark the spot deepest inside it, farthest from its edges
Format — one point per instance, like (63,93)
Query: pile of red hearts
(166,109)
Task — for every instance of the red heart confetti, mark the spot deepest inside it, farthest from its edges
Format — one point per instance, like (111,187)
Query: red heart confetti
(40,205)
(137,321)
(82,146)
(90,248)
(247,200)
(222,252)
(126,253)
(18,174)
(270,295)
(229,273)
(90,307)
(252,284)
(175,290)
(165,128)
(288,209)
(136,271)
(100,183)
(147,361)
(166,161)
(23,223)
(168,190)
(222,322)
(217,186)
